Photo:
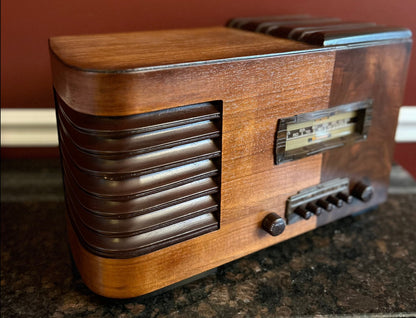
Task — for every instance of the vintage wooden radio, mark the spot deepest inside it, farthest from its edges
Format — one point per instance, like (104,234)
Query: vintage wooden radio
(186,149)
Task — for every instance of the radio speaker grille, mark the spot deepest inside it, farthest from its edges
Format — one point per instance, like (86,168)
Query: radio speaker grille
(135,184)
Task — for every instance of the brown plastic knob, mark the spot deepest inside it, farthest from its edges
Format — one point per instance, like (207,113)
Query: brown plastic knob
(303,213)
(325,205)
(273,224)
(363,191)
(335,201)
(345,197)
(314,208)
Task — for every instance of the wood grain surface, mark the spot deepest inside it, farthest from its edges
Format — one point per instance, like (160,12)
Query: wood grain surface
(131,51)
(132,93)
(117,93)
(379,73)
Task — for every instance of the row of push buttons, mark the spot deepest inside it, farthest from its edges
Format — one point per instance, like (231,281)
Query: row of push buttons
(275,225)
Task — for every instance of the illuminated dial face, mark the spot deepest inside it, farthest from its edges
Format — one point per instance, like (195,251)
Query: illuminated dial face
(320,130)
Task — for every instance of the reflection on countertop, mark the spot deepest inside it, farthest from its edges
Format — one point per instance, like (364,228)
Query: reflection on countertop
(365,264)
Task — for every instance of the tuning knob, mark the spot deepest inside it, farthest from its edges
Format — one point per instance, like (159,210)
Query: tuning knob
(314,208)
(345,197)
(325,205)
(363,191)
(273,224)
(335,201)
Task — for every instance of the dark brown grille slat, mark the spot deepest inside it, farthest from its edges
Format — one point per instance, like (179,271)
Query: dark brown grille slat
(273,27)
(299,32)
(141,164)
(321,31)
(141,185)
(118,126)
(251,24)
(147,222)
(140,143)
(342,37)
(124,247)
(140,205)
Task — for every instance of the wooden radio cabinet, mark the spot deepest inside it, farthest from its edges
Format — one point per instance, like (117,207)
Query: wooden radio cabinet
(186,149)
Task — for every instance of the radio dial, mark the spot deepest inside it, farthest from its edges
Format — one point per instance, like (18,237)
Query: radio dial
(273,224)
(363,191)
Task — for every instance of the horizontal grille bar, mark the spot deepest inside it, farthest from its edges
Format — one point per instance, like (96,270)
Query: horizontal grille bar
(147,222)
(141,164)
(141,205)
(116,126)
(124,247)
(136,186)
(139,143)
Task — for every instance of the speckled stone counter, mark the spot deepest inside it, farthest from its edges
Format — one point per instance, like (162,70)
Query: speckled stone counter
(364,264)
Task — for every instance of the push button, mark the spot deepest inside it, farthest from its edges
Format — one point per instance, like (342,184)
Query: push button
(325,205)
(303,213)
(345,197)
(314,208)
(335,201)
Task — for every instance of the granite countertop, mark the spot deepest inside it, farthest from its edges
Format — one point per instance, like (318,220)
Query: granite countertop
(364,264)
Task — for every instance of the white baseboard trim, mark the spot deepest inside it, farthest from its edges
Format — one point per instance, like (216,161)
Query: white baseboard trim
(406,128)
(26,127)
